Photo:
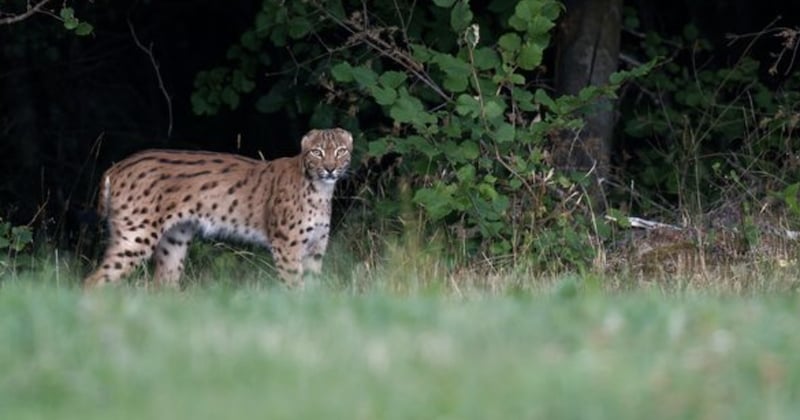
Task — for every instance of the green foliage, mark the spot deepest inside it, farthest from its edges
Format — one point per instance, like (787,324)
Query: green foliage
(13,239)
(701,134)
(456,91)
(72,23)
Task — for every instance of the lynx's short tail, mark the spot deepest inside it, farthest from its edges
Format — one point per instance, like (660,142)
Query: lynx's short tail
(104,197)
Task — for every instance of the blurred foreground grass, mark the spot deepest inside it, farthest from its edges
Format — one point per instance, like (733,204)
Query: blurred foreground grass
(227,352)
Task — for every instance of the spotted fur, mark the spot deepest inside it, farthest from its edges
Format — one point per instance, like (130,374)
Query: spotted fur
(157,201)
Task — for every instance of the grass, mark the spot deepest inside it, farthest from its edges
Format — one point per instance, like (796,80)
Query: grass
(255,351)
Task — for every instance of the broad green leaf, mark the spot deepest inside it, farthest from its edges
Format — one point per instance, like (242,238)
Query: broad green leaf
(467,105)
(378,147)
(278,36)
(517,79)
(790,195)
(230,97)
(505,133)
(457,72)
(530,56)
(436,201)
(67,13)
(552,9)
(383,95)
(631,21)
(364,76)
(250,41)
(407,109)
(342,72)
(522,15)
(444,3)
(486,58)
(500,204)
(588,93)
(392,79)
(84,29)
(22,235)
(241,82)
(71,23)
(263,22)
(487,191)
(543,98)
(524,100)
(421,52)
(456,84)
(510,42)
(199,104)
(460,16)
(466,173)
(517,23)
(493,109)
(299,27)
(469,150)
(540,25)
(420,144)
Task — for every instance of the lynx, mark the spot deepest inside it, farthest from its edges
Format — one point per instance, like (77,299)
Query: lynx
(156,201)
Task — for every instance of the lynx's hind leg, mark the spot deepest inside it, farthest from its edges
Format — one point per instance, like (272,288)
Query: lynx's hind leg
(123,254)
(170,254)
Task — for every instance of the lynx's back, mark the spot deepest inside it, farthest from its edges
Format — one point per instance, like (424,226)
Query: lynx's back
(156,201)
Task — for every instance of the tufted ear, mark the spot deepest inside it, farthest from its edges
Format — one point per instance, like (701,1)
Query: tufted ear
(348,138)
(305,143)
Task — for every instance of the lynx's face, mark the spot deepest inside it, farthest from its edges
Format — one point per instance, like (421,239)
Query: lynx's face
(326,154)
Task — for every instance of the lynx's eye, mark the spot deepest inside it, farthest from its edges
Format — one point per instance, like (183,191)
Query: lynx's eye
(340,152)
(317,153)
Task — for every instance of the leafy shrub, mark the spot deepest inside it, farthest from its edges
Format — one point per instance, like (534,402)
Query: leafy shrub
(700,135)
(13,239)
(454,95)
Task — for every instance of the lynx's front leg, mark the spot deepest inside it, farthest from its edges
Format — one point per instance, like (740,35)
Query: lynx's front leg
(288,260)
(312,259)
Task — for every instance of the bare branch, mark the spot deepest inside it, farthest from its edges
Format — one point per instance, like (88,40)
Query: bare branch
(360,33)
(149,51)
(22,16)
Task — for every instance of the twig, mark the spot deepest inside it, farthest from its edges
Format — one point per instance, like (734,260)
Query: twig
(149,51)
(361,33)
(638,222)
(28,13)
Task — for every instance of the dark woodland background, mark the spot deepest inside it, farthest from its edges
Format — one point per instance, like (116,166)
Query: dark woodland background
(70,105)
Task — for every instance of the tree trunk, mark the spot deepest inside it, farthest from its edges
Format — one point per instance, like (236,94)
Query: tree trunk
(588,51)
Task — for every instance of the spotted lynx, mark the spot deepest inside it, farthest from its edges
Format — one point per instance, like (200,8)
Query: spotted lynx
(156,201)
